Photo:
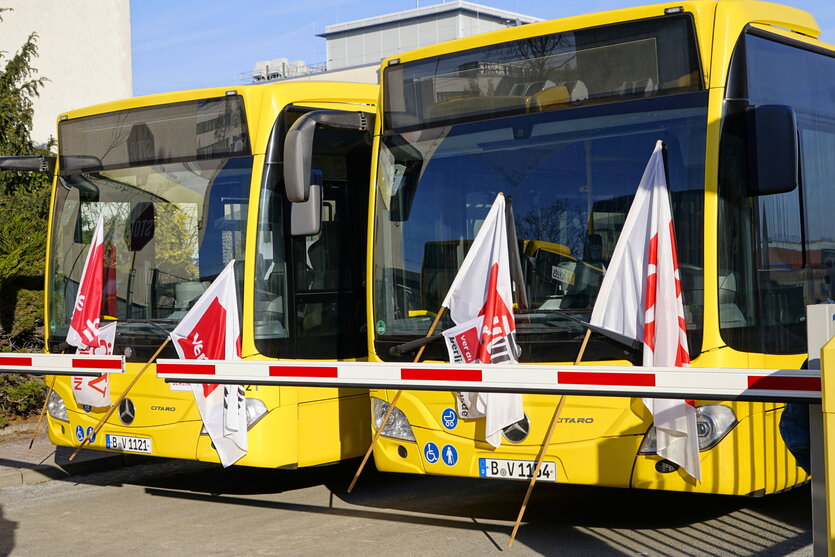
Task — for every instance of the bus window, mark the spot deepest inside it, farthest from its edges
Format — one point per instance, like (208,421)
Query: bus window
(271,312)
(571,175)
(310,296)
(774,249)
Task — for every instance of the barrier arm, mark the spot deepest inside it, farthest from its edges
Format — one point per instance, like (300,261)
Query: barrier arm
(61,364)
(651,382)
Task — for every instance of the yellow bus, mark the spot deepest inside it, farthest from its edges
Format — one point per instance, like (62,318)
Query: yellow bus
(186,182)
(562,117)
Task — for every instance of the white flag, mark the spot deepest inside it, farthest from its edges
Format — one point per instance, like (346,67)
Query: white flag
(481,304)
(95,391)
(640,297)
(210,330)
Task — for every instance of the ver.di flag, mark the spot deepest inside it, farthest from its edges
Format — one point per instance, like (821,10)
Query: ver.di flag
(95,391)
(84,332)
(640,298)
(84,323)
(480,302)
(210,331)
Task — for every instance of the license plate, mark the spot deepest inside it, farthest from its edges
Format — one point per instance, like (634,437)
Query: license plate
(562,275)
(516,469)
(128,444)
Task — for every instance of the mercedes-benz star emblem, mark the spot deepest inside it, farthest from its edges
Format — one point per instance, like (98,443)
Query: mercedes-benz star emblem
(127,411)
(518,432)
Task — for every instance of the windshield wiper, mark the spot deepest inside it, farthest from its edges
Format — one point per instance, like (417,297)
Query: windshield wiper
(632,343)
(401,349)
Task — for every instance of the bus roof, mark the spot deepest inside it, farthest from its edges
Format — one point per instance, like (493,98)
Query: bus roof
(263,101)
(728,16)
(292,91)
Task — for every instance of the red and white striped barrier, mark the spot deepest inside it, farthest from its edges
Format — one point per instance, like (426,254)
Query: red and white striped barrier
(652,382)
(61,364)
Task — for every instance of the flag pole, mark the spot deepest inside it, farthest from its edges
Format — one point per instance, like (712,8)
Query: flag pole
(43,411)
(545,444)
(392,406)
(122,397)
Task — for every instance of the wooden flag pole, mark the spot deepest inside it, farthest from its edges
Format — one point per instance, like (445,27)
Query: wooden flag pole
(43,411)
(115,405)
(545,445)
(392,406)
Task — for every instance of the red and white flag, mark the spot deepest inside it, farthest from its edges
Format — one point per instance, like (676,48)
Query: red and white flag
(95,391)
(210,331)
(84,332)
(640,297)
(480,302)
(84,324)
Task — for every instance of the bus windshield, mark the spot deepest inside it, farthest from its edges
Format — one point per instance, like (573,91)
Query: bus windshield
(570,176)
(171,183)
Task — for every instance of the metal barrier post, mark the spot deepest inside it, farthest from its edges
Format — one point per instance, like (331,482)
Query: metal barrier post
(818,449)
(820,326)
(823,522)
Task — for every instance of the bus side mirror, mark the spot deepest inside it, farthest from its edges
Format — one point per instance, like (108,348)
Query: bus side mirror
(773,151)
(31,164)
(81,163)
(298,157)
(298,146)
(306,216)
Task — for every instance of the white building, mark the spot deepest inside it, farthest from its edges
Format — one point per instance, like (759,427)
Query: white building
(355,48)
(84,51)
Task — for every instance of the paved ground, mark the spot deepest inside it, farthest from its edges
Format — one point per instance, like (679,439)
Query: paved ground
(20,464)
(167,506)
(174,507)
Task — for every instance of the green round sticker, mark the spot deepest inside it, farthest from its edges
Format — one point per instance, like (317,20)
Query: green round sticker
(381,327)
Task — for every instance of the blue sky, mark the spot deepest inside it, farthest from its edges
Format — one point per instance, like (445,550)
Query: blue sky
(187,44)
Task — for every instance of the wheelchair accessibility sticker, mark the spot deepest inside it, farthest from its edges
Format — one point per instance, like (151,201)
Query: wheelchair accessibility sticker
(79,433)
(449,418)
(431,453)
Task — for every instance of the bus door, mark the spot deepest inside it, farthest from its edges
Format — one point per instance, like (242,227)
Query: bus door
(310,285)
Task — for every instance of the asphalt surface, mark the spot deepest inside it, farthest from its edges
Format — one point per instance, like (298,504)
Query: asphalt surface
(186,508)
(27,461)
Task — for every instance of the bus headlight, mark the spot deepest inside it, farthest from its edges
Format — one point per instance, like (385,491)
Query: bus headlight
(713,422)
(397,427)
(56,407)
(255,410)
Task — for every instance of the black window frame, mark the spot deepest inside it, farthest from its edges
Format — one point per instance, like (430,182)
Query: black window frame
(341,344)
(773,294)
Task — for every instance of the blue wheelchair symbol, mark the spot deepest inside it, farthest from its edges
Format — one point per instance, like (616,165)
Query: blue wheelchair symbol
(450,455)
(91,435)
(449,418)
(431,453)
(79,433)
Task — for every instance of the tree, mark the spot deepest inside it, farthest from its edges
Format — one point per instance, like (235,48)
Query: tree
(18,88)
(23,199)
(24,202)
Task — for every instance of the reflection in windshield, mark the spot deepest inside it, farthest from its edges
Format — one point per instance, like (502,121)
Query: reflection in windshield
(570,177)
(169,230)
